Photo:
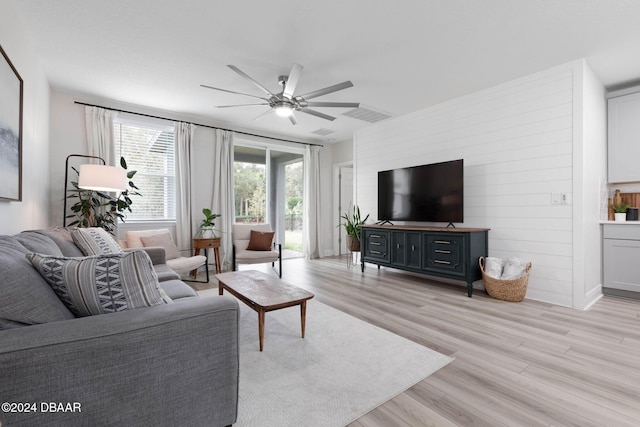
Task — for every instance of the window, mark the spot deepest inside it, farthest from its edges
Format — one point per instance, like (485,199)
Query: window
(250,192)
(149,149)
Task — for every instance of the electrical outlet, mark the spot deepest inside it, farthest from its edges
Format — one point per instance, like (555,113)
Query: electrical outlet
(561,198)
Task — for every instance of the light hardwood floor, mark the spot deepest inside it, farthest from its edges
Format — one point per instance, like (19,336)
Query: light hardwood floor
(527,363)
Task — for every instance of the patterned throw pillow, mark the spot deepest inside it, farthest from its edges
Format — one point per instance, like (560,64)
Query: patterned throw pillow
(260,240)
(95,241)
(103,283)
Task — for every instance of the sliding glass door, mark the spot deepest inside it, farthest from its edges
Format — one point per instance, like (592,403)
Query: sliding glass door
(269,188)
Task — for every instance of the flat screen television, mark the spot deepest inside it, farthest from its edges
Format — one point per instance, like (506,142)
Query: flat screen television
(432,193)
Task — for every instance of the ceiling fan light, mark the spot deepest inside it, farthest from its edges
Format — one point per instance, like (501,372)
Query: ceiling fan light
(283,110)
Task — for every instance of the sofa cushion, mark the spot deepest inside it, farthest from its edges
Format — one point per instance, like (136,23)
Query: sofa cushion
(103,283)
(62,237)
(256,257)
(164,272)
(21,287)
(260,240)
(95,241)
(177,289)
(164,240)
(36,242)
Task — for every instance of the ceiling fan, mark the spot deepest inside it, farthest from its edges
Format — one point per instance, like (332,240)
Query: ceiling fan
(284,103)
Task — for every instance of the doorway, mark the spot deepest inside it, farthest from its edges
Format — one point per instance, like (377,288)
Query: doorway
(343,199)
(268,188)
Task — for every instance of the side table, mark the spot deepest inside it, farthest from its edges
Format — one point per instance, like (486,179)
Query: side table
(200,244)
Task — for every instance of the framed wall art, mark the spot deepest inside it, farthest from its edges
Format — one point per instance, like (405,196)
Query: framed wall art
(10,130)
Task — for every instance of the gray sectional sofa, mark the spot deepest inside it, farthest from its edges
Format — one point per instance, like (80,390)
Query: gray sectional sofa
(165,365)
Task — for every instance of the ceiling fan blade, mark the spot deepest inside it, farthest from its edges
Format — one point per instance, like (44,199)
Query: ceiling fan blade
(246,76)
(261,115)
(317,114)
(293,119)
(334,104)
(292,80)
(239,105)
(237,93)
(326,90)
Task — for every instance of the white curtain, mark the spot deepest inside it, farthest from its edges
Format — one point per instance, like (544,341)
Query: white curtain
(222,196)
(100,142)
(311,229)
(183,134)
(99,124)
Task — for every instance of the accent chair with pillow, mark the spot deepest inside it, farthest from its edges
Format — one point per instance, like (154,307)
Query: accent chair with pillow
(253,244)
(162,238)
(103,331)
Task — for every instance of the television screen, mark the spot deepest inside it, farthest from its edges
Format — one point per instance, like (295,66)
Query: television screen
(431,192)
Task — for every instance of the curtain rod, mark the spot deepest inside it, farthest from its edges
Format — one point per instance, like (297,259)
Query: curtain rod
(198,124)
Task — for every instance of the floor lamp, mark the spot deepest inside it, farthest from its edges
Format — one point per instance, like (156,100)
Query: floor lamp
(98,177)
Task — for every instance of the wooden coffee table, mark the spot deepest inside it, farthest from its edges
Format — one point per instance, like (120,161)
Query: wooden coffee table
(263,292)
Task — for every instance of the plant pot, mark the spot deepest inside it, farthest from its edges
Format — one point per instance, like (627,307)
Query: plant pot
(353,243)
(208,233)
(620,216)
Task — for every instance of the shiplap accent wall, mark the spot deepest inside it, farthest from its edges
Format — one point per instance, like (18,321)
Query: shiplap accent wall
(516,140)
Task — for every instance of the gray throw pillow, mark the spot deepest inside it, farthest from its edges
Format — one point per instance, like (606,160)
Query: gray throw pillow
(95,241)
(103,283)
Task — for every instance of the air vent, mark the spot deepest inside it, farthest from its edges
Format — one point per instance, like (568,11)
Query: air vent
(366,114)
(323,131)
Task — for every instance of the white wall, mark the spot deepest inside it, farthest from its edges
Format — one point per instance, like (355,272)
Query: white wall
(342,151)
(68,136)
(517,140)
(33,211)
(590,154)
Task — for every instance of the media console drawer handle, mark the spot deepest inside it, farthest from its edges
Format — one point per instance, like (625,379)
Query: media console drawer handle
(443,242)
(376,236)
(413,247)
(375,252)
(437,261)
(375,243)
(440,251)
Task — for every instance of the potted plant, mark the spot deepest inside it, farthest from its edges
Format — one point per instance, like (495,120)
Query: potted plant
(352,224)
(620,211)
(207,227)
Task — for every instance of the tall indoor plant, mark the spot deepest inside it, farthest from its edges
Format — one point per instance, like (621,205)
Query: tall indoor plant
(352,224)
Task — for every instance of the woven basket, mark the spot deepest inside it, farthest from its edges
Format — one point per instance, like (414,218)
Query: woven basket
(506,290)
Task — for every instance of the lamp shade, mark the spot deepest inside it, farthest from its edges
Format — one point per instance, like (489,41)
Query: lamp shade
(102,178)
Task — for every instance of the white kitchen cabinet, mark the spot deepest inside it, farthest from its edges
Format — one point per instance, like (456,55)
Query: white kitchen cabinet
(623,141)
(620,258)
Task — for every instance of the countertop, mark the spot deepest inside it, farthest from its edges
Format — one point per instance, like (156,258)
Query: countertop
(620,222)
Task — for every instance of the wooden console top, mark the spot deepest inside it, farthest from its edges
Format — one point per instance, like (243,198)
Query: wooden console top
(426,228)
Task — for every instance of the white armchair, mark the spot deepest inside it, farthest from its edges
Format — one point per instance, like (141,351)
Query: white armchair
(256,247)
(162,237)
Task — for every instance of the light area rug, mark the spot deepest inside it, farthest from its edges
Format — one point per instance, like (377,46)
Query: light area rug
(341,370)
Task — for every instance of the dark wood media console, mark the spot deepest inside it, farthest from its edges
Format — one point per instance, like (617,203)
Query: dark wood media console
(451,253)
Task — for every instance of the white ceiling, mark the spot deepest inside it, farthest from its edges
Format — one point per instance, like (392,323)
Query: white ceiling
(401,55)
